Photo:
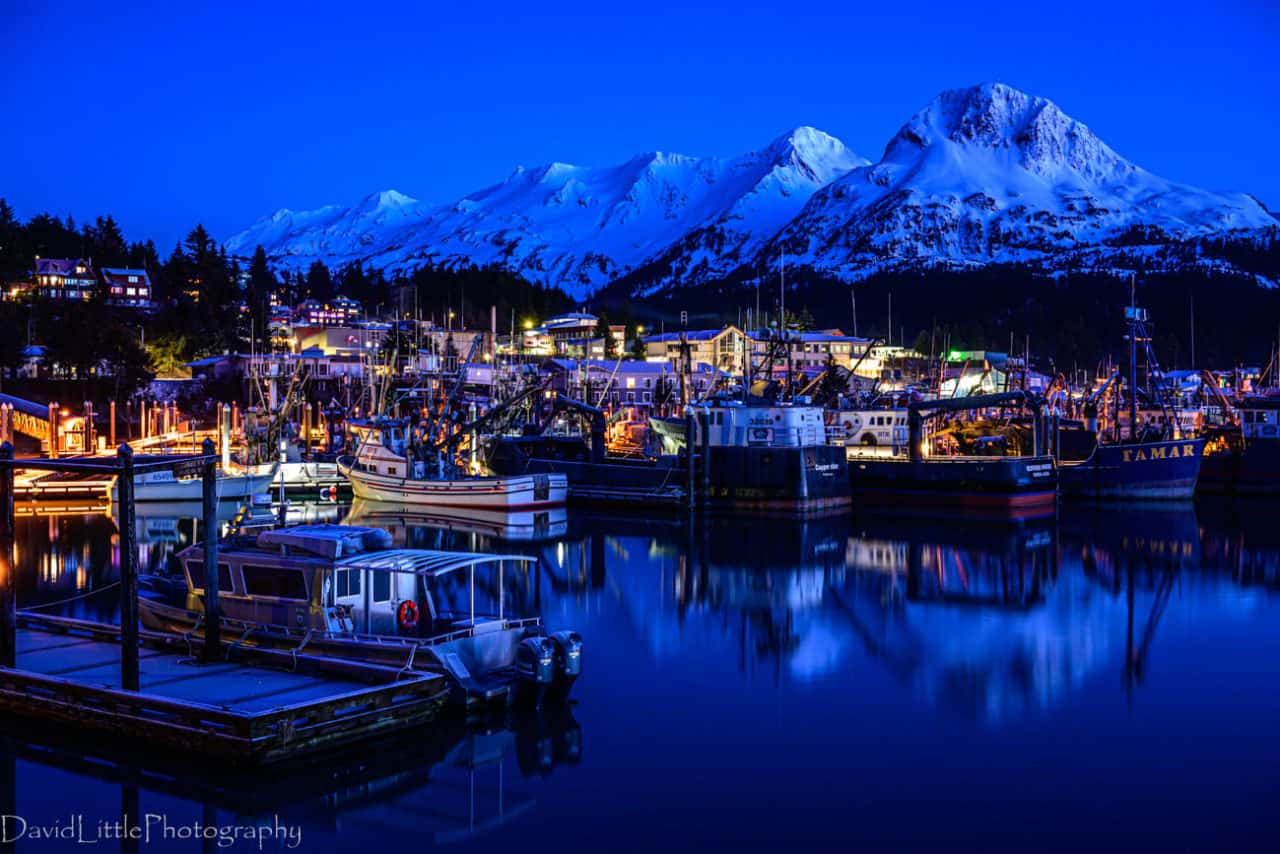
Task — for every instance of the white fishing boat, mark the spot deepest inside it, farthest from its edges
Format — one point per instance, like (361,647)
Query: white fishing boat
(162,485)
(389,467)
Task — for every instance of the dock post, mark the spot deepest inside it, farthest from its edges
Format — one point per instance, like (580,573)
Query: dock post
(128,573)
(113,424)
(915,434)
(688,456)
(212,578)
(55,427)
(705,437)
(8,581)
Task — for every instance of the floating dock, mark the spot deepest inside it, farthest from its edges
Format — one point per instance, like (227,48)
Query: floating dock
(253,706)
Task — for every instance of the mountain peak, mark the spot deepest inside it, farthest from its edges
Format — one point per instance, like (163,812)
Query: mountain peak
(385,199)
(997,117)
(819,155)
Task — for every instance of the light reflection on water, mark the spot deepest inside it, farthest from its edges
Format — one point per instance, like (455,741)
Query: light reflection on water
(847,641)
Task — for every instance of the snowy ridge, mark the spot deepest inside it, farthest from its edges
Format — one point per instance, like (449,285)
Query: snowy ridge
(981,175)
(578,227)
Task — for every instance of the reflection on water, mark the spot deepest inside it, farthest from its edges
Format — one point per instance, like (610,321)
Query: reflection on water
(700,635)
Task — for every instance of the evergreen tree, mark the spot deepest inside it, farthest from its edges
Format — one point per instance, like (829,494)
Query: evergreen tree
(319,282)
(13,255)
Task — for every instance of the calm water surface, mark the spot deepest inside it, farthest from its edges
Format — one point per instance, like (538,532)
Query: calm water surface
(1107,679)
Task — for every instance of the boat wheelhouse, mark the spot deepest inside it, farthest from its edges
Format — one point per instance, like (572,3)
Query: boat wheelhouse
(345,591)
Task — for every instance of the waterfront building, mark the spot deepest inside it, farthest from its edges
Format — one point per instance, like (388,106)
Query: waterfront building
(722,348)
(608,382)
(572,334)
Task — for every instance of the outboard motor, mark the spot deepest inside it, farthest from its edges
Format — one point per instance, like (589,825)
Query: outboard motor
(568,664)
(535,669)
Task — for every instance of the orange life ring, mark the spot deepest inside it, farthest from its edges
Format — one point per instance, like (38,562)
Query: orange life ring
(407,615)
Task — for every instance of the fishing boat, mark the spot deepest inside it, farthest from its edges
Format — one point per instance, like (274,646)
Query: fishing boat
(771,456)
(991,481)
(390,465)
(594,476)
(163,485)
(346,592)
(1153,462)
(1150,470)
(1243,458)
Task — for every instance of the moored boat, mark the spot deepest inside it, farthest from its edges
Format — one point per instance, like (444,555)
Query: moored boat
(1024,485)
(1141,470)
(347,592)
(770,456)
(163,485)
(389,467)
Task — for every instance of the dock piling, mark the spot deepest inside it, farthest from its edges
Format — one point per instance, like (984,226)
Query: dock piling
(212,577)
(8,582)
(129,679)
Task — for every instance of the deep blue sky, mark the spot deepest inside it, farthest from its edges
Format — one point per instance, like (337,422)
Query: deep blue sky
(220,113)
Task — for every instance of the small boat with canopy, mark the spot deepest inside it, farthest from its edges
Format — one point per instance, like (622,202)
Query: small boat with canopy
(345,591)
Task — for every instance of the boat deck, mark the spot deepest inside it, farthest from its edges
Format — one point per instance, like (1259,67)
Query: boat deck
(252,706)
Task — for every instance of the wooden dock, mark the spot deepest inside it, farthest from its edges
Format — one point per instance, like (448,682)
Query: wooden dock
(252,706)
(61,486)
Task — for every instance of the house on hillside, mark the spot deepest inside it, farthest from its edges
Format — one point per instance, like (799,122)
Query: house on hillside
(126,287)
(64,278)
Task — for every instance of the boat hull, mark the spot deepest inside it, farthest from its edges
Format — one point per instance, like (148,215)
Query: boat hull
(610,481)
(1160,471)
(1014,486)
(526,492)
(236,487)
(771,478)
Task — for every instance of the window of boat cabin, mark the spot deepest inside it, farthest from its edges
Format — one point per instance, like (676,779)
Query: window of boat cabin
(381,587)
(274,581)
(195,571)
(346,582)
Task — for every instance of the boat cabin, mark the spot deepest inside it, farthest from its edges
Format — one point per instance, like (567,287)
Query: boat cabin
(1260,418)
(740,425)
(347,580)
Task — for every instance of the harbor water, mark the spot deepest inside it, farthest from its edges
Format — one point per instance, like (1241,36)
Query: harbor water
(1102,678)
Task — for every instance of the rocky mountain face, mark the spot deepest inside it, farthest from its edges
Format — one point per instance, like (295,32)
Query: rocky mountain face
(982,175)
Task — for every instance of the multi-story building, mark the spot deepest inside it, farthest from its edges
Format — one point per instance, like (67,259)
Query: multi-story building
(127,287)
(721,348)
(569,334)
(813,351)
(336,312)
(64,278)
(607,382)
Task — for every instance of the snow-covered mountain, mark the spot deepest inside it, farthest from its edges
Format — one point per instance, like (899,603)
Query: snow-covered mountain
(992,174)
(575,226)
(981,175)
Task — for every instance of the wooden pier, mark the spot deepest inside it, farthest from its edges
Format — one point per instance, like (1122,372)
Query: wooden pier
(253,706)
(206,694)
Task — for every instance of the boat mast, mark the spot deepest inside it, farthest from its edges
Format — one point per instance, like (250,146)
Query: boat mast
(1133,357)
